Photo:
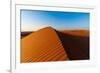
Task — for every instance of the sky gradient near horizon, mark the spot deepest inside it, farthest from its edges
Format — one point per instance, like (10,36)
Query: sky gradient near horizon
(33,20)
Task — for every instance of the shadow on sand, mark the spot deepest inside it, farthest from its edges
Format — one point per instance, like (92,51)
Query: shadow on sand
(77,47)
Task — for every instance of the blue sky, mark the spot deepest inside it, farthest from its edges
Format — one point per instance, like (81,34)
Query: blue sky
(32,20)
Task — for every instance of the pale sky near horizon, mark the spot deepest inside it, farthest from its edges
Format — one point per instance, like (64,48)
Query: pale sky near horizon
(32,20)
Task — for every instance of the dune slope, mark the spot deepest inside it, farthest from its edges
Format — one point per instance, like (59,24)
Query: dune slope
(41,46)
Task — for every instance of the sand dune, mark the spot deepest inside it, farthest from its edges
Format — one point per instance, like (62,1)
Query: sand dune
(41,46)
(48,44)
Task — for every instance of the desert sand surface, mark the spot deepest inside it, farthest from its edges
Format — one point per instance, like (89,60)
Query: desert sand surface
(48,44)
(42,46)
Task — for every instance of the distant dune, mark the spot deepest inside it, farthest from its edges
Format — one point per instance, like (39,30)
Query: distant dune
(76,32)
(42,46)
(24,34)
(48,44)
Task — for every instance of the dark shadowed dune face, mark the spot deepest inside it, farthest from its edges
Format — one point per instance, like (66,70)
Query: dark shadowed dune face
(75,45)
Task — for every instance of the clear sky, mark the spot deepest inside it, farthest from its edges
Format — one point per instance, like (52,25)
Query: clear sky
(32,20)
